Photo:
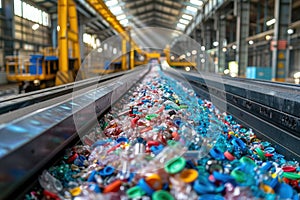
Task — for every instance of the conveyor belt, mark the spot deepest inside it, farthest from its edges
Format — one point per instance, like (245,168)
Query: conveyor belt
(31,142)
(22,162)
(271,109)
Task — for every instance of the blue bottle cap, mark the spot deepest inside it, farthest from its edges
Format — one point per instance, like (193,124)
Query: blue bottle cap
(216,154)
(94,187)
(107,171)
(143,184)
(157,149)
(266,166)
(203,186)
(284,191)
(211,197)
(92,176)
(122,139)
(222,177)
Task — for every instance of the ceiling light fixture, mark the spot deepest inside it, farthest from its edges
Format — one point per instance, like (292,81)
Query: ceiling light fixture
(196,2)
(181,26)
(192,9)
(120,17)
(216,43)
(111,3)
(268,37)
(183,21)
(290,31)
(271,22)
(188,17)
(116,10)
(124,22)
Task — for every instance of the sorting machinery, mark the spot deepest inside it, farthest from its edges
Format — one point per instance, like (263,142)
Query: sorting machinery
(37,127)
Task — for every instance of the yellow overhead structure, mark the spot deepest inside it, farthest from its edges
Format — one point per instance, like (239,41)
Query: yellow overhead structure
(104,11)
(177,63)
(68,42)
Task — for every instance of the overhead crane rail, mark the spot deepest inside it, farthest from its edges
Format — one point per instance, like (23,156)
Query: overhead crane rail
(59,131)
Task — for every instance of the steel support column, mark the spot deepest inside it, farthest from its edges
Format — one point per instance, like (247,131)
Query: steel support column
(131,56)
(8,7)
(258,14)
(221,37)
(279,44)
(242,31)
(81,29)
(208,35)
(54,30)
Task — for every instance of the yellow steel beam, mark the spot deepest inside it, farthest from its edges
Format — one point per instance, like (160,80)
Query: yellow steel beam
(63,35)
(73,33)
(131,56)
(177,64)
(124,54)
(104,11)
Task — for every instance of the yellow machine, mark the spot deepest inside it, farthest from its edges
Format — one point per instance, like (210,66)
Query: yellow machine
(177,63)
(53,66)
(61,65)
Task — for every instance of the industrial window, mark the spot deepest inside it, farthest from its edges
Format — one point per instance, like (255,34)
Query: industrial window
(18,7)
(0,4)
(31,13)
(45,19)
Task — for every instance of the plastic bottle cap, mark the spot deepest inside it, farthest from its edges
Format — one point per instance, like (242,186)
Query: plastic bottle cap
(211,197)
(289,169)
(151,116)
(228,155)
(266,188)
(188,175)
(171,142)
(247,161)
(269,149)
(122,139)
(238,175)
(135,192)
(203,186)
(75,191)
(154,181)
(284,191)
(145,187)
(162,195)
(153,143)
(222,177)
(291,175)
(113,187)
(260,153)
(157,149)
(108,170)
(216,153)
(175,165)
(94,187)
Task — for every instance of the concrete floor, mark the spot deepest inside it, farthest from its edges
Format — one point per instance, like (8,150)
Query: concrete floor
(8,89)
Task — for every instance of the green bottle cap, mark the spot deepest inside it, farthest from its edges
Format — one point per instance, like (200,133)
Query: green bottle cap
(291,175)
(247,161)
(260,153)
(151,116)
(162,195)
(171,142)
(238,175)
(135,192)
(175,165)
